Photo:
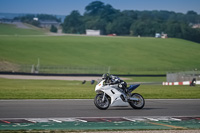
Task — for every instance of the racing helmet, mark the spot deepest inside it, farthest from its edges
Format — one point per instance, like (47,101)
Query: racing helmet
(106,76)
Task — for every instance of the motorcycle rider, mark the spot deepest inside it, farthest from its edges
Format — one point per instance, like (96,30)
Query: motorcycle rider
(109,92)
(111,79)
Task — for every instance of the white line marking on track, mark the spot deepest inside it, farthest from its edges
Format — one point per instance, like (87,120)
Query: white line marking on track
(175,119)
(81,120)
(151,119)
(31,120)
(55,120)
(129,119)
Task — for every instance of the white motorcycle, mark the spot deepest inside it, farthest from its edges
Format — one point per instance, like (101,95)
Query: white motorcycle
(114,95)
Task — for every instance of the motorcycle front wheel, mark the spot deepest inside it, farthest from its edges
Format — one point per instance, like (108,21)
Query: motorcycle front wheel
(137,104)
(99,103)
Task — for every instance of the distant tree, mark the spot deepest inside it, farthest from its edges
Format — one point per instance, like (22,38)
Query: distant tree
(131,14)
(94,8)
(73,23)
(29,18)
(120,26)
(145,28)
(47,17)
(35,23)
(108,13)
(104,17)
(191,13)
(53,29)
(192,17)
(98,15)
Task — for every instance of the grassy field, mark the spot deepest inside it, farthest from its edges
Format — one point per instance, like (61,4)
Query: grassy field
(50,89)
(9,29)
(126,55)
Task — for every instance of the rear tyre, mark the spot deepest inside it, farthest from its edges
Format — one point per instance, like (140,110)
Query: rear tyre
(99,103)
(137,104)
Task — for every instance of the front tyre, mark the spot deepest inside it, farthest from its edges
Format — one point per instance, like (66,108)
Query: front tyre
(137,104)
(99,103)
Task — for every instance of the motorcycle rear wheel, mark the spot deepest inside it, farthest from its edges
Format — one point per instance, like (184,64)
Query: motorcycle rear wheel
(99,103)
(137,104)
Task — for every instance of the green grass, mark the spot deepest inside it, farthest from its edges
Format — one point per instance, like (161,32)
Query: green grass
(50,89)
(44,89)
(125,55)
(146,79)
(169,92)
(9,29)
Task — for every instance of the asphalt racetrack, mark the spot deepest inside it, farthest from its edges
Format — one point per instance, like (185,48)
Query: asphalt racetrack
(85,108)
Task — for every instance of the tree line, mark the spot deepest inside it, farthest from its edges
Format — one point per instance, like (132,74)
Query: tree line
(29,18)
(100,16)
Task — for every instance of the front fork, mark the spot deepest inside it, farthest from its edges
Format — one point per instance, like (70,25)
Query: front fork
(104,94)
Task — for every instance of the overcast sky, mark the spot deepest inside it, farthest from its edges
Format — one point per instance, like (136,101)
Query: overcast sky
(64,7)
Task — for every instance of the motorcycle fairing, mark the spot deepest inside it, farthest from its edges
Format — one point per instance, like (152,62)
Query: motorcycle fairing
(115,99)
(132,87)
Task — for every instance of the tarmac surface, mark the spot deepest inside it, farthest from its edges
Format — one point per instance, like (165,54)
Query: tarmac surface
(69,78)
(86,108)
(81,115)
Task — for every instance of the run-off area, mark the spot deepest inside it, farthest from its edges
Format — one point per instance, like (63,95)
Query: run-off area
(100,123)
